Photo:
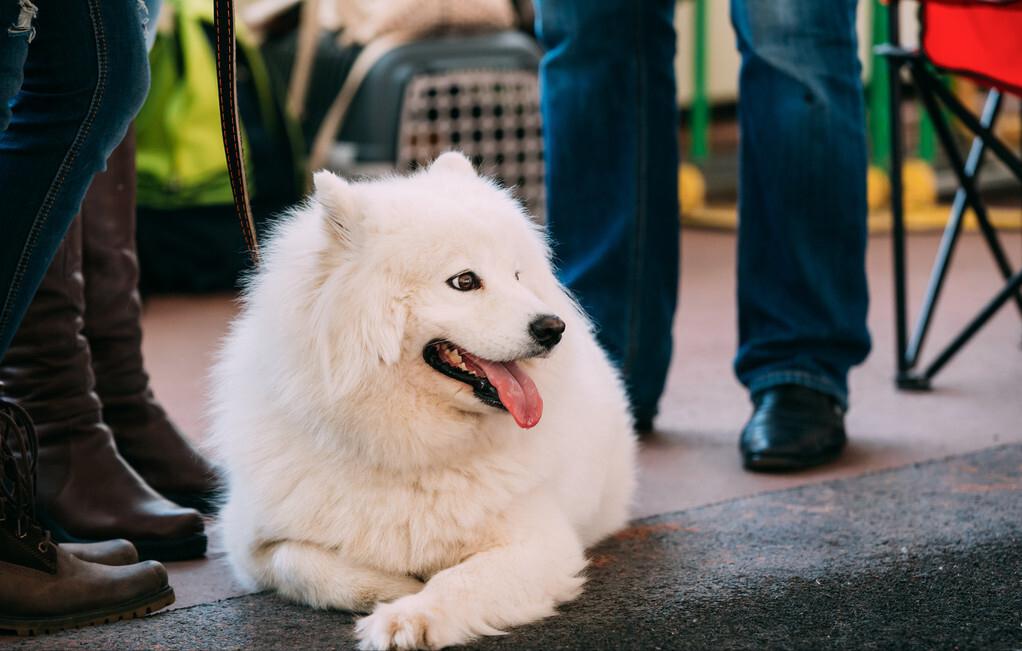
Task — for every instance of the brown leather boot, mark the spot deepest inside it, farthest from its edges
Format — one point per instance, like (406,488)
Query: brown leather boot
(44,588)
(145,436)
(87,492)
(106,552)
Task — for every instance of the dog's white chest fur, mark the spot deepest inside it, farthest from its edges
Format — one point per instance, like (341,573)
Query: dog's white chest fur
(369,472)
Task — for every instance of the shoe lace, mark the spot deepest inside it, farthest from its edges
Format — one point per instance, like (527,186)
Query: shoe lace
(19,450)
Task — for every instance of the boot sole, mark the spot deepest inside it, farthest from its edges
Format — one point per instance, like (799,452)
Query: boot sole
(129,610)
(778,464)
(178,549)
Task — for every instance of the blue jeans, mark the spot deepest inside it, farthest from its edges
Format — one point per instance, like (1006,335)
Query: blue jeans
(609,121)
(72,78)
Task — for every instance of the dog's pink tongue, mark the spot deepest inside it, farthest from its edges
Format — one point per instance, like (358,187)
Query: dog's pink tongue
(516,390)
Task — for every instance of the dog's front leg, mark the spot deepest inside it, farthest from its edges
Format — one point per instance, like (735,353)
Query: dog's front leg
(323,578)
(519,581)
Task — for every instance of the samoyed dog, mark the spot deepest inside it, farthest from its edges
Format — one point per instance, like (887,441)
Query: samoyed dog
(415,418)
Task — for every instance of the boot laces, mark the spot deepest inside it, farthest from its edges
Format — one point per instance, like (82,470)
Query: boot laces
(19,450)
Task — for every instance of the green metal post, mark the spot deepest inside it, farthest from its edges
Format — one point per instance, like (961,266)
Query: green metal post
(699,149)
(878,119)
(927,149)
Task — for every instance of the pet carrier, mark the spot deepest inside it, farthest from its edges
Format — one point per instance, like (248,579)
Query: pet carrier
(398,102)
(477,94)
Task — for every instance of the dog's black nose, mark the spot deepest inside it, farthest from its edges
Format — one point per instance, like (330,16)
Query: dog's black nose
(547,330)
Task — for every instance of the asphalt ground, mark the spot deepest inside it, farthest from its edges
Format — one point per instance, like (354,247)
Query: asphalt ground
(927,556)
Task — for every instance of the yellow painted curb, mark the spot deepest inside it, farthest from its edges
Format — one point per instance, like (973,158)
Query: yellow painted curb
(878,188)
(919,220)
(920,182)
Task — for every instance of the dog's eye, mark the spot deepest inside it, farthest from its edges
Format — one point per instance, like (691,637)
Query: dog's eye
(518,275)
(466,281)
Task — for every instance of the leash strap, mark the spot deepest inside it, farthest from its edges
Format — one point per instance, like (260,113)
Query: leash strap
(227,92)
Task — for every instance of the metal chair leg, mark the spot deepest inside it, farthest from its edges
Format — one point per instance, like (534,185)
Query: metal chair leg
(951,232)
(927,85)
(894,65)
(988,311)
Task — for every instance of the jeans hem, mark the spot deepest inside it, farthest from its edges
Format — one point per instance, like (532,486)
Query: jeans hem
(801,378)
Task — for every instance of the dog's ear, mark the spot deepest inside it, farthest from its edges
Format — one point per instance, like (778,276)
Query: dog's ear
(356,330)
(453,161)
(338,200)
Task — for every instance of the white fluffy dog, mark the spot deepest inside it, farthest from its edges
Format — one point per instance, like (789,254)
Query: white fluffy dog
(378,406)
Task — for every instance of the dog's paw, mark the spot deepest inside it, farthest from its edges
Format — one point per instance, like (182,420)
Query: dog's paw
(415,623)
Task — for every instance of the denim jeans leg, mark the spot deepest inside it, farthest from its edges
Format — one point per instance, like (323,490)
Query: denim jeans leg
(610,118)
(802,293)
(18,22)
(72,92)
(150,10)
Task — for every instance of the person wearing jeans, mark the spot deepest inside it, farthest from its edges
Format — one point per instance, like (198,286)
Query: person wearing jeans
(73,74)
(72,77)
(608,103)
(610,126)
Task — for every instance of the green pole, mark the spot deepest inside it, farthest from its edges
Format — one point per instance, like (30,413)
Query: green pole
(878,119)
(927,149)
(700,145)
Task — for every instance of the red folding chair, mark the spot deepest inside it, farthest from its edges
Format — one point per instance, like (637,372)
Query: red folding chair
(981,39)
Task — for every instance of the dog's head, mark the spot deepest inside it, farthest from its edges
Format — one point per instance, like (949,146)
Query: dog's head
(439,283)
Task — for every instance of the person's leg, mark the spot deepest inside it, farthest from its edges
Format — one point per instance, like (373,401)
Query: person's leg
(86,491)
(802,294)
(65,102)
(71,79)
(146,437)
(609,122)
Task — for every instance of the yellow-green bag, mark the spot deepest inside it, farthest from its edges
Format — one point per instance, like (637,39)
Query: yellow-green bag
(180,155)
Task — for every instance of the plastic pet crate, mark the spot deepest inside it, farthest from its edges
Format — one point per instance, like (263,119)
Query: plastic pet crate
(477,94)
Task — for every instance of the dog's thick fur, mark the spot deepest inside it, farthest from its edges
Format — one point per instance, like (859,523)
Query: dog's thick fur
(359,476)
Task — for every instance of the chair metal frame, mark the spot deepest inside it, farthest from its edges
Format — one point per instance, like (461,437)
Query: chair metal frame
(936,98)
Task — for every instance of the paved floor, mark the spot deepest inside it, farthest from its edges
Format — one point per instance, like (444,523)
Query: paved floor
(924,557)
(692,460)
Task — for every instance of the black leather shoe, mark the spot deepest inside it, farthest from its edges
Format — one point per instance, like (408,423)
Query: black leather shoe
(792,428)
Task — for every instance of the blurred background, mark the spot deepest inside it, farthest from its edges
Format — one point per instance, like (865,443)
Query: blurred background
(363,88)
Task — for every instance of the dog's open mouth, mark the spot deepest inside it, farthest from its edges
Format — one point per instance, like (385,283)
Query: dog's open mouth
(499,384)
